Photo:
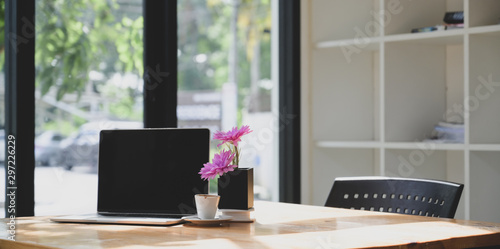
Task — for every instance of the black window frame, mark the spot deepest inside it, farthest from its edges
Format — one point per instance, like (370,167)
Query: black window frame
(289,101)
(160,63)
(19,108)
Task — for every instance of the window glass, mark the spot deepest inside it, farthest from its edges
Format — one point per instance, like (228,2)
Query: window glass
(88,77)
(88,59)
(224,77)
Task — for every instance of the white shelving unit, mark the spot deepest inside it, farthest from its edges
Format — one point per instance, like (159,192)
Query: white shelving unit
(375,91)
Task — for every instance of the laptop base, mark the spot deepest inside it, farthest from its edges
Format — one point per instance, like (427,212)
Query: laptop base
(125,220)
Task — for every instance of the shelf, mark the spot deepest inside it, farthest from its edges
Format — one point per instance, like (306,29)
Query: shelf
(369,43)
(376,91)
(346,80)
(339,162)
(416,163)
(484,91)
(349,144)
(484,12)
(355,19)
(415,90)
(445,37)
(484,185)
(487,30)
(416,14)
(425,146)
(485,147)
(398,145)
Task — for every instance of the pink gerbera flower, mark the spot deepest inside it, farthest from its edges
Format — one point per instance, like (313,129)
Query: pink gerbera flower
(232,136)
(220,165)
(226,160)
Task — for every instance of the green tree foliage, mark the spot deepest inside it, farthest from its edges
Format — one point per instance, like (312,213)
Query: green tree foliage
(74,38)
(77,37)
(205,41)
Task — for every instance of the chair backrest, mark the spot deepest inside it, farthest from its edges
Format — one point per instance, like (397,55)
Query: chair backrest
(396,195)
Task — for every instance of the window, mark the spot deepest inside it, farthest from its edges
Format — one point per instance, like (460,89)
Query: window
(224,78)
(100,83)
(88,59)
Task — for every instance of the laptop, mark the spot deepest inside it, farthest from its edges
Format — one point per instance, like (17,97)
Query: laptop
(148,176)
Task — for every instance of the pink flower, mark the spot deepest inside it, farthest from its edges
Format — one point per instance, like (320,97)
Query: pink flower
(233,136)
(228,160)
(220,165)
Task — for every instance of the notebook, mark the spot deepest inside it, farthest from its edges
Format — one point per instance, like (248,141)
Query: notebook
(148,176)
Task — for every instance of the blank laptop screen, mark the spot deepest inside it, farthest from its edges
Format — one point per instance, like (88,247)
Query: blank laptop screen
(151,171)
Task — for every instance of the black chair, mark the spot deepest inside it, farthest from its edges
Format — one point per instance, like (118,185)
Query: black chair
(396,195)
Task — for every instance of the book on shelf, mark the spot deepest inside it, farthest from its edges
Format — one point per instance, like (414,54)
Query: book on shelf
(454,26)
(426,29)
(447,132)
(452,20)
(451,125)
(454,17)
(438,28)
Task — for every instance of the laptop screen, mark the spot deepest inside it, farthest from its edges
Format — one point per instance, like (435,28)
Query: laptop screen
(151,171)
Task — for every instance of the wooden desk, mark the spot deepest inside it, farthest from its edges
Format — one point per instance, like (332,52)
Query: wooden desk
(278,225)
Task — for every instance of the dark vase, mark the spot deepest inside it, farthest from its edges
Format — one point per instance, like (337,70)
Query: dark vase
(236,189)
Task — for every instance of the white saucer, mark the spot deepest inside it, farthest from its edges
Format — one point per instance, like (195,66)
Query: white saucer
(194,219)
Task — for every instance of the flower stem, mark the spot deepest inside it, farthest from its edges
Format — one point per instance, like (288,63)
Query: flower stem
(237,156)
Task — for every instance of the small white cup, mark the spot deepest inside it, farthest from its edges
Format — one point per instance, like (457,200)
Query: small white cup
(206,206)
